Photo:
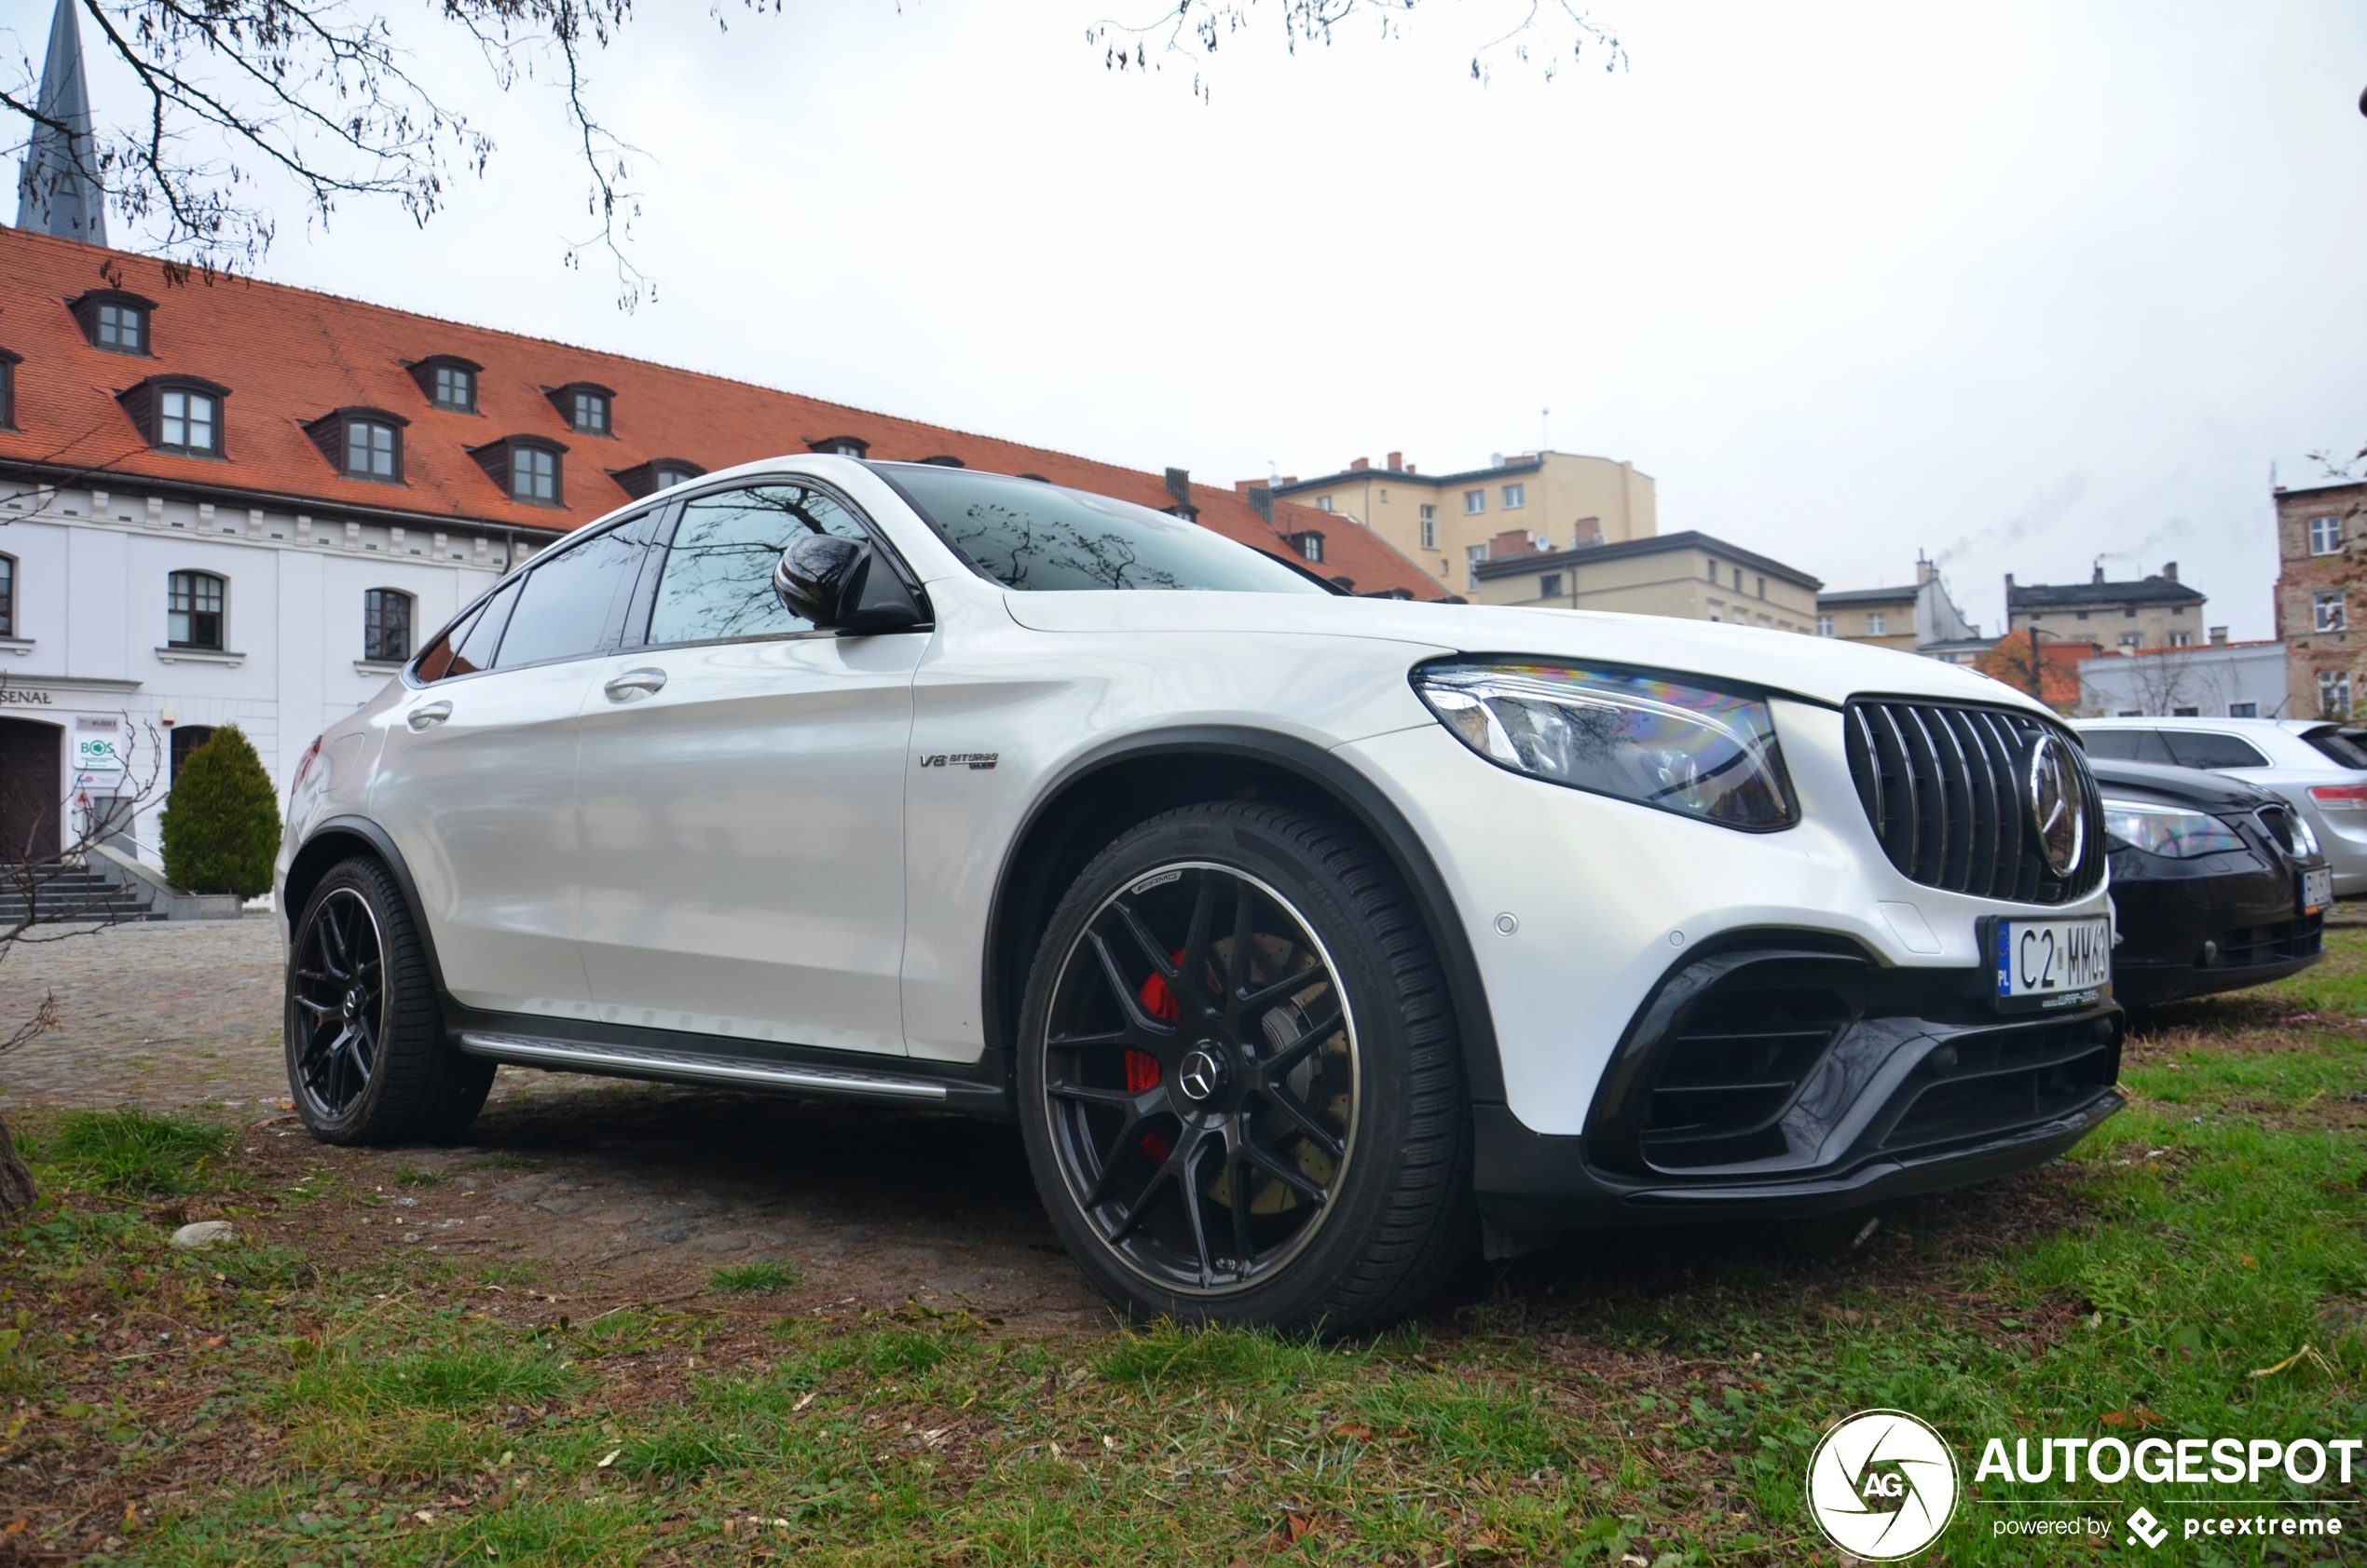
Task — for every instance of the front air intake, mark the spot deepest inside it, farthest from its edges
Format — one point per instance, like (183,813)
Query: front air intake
(1941,784)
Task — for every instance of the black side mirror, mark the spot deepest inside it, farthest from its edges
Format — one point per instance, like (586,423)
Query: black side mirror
(842,586)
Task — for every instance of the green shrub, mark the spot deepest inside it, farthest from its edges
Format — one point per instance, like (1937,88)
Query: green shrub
(220,823)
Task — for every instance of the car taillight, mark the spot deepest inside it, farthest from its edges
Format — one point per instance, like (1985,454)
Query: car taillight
(2339,797)
(305,767)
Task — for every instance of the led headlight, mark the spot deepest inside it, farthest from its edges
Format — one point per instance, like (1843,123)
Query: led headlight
(1639,736)
(2166,830)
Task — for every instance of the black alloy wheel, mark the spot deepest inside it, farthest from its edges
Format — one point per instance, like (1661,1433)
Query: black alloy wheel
(337,993)
(367,1060)
(1241,1083)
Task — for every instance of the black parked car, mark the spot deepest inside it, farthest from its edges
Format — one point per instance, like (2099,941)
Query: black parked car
(2218,885)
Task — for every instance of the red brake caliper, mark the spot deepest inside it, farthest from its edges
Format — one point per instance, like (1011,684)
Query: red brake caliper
(1143,1069)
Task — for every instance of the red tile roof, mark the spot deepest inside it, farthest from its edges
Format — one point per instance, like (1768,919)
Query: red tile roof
(289,356)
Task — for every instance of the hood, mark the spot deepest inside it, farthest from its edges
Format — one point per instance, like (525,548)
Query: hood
(2180,787)
(1823,669)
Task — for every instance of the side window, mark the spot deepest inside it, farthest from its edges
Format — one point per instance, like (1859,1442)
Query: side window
(2199,748)
(573,598)
(467,648)
(718,582)
(2127,746)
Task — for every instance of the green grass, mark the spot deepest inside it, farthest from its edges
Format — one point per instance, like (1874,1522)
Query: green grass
(133,1153)
(1637,1396)
(757,1278)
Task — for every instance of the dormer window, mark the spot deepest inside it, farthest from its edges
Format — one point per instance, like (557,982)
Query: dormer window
(840,446)
(362,442)
(943,462)
(1309,545)
(585,407)
(178,414)
(527,468)
(449,381)
(658,473)
(114,321)
(9,363)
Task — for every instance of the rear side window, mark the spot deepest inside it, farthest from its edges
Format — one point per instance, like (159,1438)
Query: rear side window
(467,648)
(2200,748)
(2127,745)
(2345,748)
(1028,535)
(718,582)
(573,599)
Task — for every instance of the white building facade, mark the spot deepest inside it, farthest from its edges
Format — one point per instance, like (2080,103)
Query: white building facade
(2218,680)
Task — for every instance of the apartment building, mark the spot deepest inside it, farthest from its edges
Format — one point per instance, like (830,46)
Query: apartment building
(1688,574)
(2318,563)
(1448,523)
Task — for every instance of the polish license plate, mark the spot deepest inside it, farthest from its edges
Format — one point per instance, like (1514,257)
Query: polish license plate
(2041,965)
(2317,890)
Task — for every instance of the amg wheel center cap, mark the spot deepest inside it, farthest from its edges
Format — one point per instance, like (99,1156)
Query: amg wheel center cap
(1201,1076)
(352,1005)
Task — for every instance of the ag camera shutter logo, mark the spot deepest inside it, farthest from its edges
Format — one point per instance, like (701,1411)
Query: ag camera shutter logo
(1883,1485)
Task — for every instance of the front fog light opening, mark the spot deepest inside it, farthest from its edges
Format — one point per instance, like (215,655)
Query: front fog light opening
(1654,739)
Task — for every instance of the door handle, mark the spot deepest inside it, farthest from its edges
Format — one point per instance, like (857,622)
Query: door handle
(634,685)
(429,715)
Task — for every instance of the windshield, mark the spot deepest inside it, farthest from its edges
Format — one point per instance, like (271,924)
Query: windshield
(1028,535)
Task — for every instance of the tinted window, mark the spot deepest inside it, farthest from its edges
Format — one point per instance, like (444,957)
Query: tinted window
(2344,747)
(2200,748)
(718,572)
(1028,535)
(571,597)
(2127,746)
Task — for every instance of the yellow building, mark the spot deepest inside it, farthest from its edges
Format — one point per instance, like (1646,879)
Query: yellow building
(1447,522)
(1688,574)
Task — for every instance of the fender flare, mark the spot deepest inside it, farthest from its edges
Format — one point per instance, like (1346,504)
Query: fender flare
(315,857)
(1364,803)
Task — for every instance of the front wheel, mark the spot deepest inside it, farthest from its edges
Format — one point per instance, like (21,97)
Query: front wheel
(367,1061)
(1238,1076)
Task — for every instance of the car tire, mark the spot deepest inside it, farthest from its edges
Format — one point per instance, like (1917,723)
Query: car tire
(1321,1074)
(367,1060)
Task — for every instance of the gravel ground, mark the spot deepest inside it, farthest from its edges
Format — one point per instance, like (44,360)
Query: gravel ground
(615,1187)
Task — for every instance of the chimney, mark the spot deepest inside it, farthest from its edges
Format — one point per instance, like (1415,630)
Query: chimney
(1262,501)
(2098,576)
(1179,486)
(1396,461)
(1923,571)
(1359,463)
(2170,570)
(2219,636)
(1409,468)
(1511,542)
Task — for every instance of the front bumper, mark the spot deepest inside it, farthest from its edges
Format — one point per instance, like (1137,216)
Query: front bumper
(2217,923)
(1790,1076)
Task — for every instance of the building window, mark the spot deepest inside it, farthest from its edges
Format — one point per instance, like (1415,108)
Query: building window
(455,389)
(7,596)
(186,739)
(1762,587)
(1738,580)
(2132,639)
(1716,610)
(1430,527)
(2181,639)
(1824,625)
(386,625)
(2325,536)
(187,422)
(1549,586)
(2333,693)
(668,476)
(8,390)
(123,328)
(855,446)
(370,450)
(1472,555)
(1878,624)
(1322,503)
(193,610)
(1474,502)
(1515,497)
(534,475)
(2326,613)
(2185,712)
(1310,546)
(2130,612)
(591,412)
(2243,710)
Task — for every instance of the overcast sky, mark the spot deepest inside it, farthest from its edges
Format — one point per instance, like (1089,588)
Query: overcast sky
(2014,285)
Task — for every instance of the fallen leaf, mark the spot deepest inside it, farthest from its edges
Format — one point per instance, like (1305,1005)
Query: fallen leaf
(803,1400)
(1361,1433)
(614,1454)
(2248,1259)
(1296,1526)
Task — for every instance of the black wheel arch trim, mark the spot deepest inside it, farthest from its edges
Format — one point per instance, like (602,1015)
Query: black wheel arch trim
(1365,804)
(313,860)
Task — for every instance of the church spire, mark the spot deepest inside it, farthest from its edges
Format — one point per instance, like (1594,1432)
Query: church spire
(58,192)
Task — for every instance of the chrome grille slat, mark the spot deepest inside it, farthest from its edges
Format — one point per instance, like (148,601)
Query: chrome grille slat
(1938,782)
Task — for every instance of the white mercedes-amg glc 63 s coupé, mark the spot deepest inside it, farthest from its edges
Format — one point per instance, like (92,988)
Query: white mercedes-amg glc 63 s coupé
(1310,940)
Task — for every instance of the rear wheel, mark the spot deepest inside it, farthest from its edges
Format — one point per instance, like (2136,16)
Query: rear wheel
(367,1061)
(1238,1076)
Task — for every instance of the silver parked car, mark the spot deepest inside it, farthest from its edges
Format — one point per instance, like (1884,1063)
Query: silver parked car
(2319,766)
